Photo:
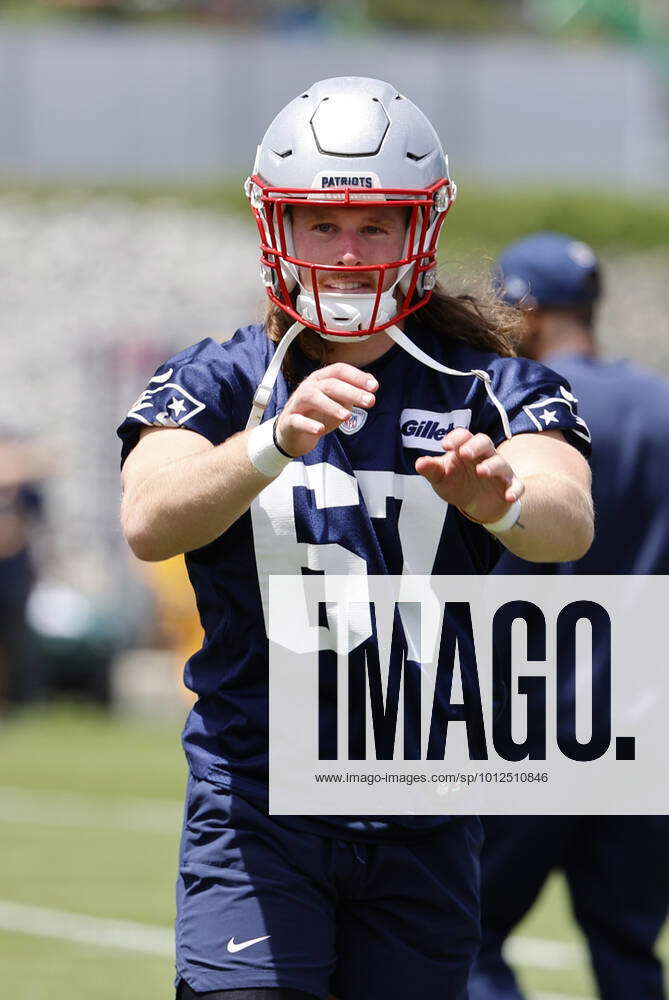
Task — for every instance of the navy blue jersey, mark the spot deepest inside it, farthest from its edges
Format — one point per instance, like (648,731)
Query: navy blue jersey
(352,505)
(627,410)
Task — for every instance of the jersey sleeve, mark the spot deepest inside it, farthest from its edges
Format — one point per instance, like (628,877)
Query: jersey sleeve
(191,390)
(535,399)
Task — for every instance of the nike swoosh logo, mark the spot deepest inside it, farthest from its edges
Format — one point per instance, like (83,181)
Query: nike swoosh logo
(233,947)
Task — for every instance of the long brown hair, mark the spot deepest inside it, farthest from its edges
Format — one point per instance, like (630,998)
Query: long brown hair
(482,322)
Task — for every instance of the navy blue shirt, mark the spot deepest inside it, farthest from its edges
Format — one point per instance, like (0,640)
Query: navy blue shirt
(627,410)
(352,505)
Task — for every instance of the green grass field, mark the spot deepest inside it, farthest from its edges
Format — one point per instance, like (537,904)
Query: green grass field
(88,840)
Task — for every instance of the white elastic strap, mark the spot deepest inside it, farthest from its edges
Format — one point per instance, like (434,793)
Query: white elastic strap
(263,393)
(263,453)
(408,345)
(506,521)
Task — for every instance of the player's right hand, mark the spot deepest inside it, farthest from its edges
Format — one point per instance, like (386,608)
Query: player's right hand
(321,403)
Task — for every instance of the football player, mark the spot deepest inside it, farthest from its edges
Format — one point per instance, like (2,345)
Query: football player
(616,867)
(372,424)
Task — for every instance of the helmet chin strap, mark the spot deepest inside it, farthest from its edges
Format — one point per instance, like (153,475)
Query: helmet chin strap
(403,341)
(264,391)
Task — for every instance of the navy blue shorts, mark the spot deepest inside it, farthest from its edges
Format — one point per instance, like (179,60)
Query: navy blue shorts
(261,905)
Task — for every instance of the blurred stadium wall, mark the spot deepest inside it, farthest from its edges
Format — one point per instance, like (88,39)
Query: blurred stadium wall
(178,105)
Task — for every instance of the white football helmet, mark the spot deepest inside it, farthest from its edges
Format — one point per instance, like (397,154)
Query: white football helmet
(351,141)
(354,141)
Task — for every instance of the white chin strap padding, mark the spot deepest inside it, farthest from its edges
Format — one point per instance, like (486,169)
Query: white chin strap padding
(346,312)
(403,341)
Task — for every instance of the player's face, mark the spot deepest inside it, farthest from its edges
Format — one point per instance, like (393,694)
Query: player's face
(348,237)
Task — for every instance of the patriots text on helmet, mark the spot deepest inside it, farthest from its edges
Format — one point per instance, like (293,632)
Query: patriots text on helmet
(329,182)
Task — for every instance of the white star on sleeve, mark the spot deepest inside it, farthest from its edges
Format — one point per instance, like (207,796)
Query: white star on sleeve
(549,417)
(177,405)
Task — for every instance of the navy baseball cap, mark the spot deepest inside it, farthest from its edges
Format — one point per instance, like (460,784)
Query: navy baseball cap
(548,269)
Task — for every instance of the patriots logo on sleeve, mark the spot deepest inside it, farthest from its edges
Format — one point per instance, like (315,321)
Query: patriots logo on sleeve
(548,411)
(165,404)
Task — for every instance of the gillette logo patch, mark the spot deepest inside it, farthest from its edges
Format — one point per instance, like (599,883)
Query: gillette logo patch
(426,430)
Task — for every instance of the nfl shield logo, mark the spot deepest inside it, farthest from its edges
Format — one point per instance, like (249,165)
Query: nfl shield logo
(354,422)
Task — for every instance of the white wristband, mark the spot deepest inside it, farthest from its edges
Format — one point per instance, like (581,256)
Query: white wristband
(263,453)
(506,521)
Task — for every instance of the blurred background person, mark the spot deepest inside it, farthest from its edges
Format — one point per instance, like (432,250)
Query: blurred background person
(22,469)
(616,867)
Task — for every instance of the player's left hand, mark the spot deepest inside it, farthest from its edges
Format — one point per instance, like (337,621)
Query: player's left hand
(472,475)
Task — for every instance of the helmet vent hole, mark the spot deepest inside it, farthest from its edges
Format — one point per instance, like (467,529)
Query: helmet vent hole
(285,154)
(416,157)
(304,95)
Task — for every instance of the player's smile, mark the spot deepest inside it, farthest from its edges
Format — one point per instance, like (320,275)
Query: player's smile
(348,237)
(356,283)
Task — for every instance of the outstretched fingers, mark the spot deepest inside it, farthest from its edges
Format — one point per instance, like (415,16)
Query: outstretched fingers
(456,438)
(431,467)
(321,403)
(347,373)
(298,422)
(476,448)
(497,469)
(471,475)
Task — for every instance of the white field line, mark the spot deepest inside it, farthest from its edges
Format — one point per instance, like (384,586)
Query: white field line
(539,953)
(82,929)
(44,808)
(136,814)
(154,940)
(558,996)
